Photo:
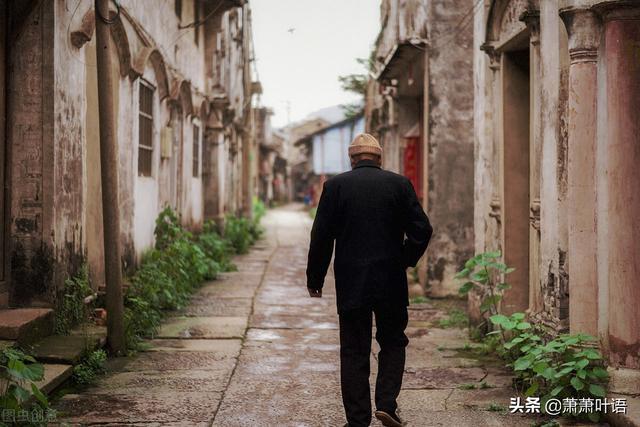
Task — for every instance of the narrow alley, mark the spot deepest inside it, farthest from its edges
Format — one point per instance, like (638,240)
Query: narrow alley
(161,162)
(253,349)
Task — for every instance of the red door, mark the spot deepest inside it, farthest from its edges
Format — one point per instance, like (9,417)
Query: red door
(412,163)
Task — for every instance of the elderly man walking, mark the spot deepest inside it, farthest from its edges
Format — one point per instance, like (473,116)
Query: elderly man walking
(379,229)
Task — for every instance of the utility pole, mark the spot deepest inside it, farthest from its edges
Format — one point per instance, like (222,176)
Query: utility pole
(109,174)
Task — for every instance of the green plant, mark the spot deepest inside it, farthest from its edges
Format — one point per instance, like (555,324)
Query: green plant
(494,407)
(18,374)
(509,326)
(419,300)
(467,386)
(171,271)
(240,233)
(259,209)
(560,367)
(456,319)
(484,273)
(215,247)
(93,365)
(71,308)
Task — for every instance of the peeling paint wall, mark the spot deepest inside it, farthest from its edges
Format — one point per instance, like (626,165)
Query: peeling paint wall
(54,164)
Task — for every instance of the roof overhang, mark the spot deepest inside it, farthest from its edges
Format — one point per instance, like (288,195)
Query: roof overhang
(401,56)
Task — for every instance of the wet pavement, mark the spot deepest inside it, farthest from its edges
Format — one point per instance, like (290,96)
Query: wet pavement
(252,349)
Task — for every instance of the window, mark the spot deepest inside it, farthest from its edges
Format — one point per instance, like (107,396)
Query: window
(145,131)
(196,20)
(196,151)
(178,8)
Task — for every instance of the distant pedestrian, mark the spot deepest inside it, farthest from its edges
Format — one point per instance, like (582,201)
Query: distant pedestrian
(379,229)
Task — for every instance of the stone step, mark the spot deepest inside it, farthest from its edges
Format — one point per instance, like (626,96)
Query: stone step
(25,325)
(65,349)
(54,375)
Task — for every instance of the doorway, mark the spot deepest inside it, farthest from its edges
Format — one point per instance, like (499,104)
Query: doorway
(516,175)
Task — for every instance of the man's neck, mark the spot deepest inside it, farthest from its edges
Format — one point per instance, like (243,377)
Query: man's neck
(367,162)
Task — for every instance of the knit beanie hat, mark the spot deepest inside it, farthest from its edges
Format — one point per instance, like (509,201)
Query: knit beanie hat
(365,143)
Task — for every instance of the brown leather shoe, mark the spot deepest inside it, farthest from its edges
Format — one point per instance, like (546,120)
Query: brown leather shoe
(389,420)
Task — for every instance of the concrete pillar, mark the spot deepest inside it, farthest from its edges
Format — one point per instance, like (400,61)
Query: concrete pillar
(583,28)
(622,56)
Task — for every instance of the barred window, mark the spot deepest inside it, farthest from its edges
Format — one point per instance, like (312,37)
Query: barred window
(196,151)
(145,129)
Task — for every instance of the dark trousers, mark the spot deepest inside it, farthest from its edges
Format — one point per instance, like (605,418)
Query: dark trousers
(355,353)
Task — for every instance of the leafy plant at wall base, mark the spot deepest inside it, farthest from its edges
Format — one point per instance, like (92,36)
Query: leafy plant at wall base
(240,233)
(93,365)
(215,247)
(567,366)
(483,274)
(71,309)
(178,264)
(18,374)
(259,209)
(562,366)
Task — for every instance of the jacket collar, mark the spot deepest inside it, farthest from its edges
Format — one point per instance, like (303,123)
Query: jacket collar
(366,164)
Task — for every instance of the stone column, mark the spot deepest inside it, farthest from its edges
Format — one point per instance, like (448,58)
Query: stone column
(583,28)
(622,55)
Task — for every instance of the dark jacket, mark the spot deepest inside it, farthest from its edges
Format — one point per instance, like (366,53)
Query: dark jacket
(379,228)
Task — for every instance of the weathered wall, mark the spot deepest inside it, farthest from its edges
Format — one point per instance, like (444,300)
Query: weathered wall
(435,93)
(450,141)
(54,164)
(31,159)
(547,289)
(581,122)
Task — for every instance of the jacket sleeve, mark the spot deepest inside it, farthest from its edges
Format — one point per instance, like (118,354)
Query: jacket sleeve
(417,228)
(322,237)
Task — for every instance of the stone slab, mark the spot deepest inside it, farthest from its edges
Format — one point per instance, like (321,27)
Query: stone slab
(174,360)
(203,327)
(171,407)
(441,378)
(54,375)
(25,325)
(224,347)
(480,399)
(213,306)
(181,381)
(631,418)
(68,349)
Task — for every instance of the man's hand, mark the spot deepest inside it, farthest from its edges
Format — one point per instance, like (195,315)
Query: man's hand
(315,293)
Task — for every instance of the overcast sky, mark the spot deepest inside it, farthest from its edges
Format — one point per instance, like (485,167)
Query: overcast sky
(302,46)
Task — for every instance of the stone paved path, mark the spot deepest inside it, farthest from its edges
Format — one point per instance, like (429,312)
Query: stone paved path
(254,350)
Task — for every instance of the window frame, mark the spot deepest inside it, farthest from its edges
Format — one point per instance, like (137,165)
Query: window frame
(149,117)
(197,146)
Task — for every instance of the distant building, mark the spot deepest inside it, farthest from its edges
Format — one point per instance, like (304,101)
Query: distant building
(297,154)
(327,152)
(273,168)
